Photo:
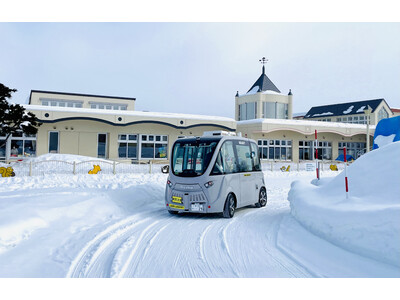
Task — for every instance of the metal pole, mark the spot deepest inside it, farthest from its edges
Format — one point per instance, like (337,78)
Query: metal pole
(367,133)
(346,182)
(316,154)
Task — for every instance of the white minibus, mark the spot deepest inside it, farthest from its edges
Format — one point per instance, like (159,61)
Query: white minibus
(214,174)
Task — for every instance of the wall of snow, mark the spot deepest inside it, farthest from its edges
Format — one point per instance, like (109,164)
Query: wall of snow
(368,223)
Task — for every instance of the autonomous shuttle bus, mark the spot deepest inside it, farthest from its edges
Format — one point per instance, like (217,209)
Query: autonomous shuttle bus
(214,173)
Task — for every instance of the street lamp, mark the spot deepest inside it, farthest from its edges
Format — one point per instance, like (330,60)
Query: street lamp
(367,112)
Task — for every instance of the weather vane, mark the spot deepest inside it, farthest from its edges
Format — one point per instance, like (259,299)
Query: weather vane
(263,61)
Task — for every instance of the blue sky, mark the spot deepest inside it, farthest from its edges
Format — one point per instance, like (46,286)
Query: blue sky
(197,68)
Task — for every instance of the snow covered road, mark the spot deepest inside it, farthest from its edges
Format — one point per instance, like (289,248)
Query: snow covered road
(117,226)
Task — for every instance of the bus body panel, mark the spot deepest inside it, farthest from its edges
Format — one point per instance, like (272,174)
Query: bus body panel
(190,194)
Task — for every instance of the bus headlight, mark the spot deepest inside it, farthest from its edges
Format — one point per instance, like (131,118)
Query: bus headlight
(208,184)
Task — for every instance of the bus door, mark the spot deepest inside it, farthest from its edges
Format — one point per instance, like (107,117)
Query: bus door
(245,166)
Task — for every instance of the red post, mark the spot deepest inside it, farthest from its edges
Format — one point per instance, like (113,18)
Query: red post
(346,182)
(316,154)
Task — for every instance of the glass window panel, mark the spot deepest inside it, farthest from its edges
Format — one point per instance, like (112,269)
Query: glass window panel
(123,107)
(53,142)
(70,104)
(147,150)
(61,104)
(269,110)
(265,153)
(132,137)
(244,159)
(151,138)
(265,142)
(92,105)
(277,153)
(108,106)
(122,137)
(132,150)
(158,138)
(280,111)
(101,145)
(115,107)
(45,103)
(53,103)
(165,138)
(122,147)
(283,154)
(271,153)
(161,150)
(277,142)
(255,157)
(29,148)
(301,153)
(144,137)
(79,105)
(289,153)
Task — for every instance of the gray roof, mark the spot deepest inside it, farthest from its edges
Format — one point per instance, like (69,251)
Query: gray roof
(342,109)
(264,83)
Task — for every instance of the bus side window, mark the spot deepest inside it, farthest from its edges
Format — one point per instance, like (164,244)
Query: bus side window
(226,161)
(244,159)
(255,157)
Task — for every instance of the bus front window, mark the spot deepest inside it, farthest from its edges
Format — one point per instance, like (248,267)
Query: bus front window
(190,159)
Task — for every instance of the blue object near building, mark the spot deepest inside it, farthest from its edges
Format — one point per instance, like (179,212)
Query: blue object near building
(341,157)
(385,130)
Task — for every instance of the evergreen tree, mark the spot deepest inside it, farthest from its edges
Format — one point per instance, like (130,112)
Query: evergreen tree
(13,117)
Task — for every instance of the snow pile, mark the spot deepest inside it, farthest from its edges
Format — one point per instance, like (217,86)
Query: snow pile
(368,222)
(64,157)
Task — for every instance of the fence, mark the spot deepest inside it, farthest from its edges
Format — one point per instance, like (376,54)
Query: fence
(54,167)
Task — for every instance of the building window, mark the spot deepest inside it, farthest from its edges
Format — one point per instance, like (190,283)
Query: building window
(53,141)
(275,149)
(275,110)
(154,146)
(107,106)
(247,111)
(382,114)
(353,149)
(305,150)
(61,103)
(127,146)
(22,145)
(102,145)
(2,148)
(324,150)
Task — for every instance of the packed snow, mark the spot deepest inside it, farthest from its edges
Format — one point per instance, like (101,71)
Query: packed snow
(108,225)
(366,223)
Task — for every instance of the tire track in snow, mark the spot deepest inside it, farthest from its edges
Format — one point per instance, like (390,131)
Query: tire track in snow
(93,249)
(127,265)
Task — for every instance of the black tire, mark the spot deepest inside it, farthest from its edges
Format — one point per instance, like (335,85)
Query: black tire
(173,212)
(229,207)
(262,198)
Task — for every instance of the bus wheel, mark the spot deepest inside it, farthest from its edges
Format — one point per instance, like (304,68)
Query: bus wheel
(229,207)
(262,198)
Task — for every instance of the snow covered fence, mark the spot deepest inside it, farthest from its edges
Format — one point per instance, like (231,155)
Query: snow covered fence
(54,164)
(274,166)
(55,167)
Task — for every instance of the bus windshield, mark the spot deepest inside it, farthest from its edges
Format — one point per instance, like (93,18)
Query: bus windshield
(191,159)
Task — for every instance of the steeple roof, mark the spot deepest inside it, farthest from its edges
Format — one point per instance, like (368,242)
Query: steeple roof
(264,84)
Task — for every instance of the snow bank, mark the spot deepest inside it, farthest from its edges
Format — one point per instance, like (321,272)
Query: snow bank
(368,222)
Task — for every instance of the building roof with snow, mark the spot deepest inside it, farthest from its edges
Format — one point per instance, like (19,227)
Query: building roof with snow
(343,109)
(263,84)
